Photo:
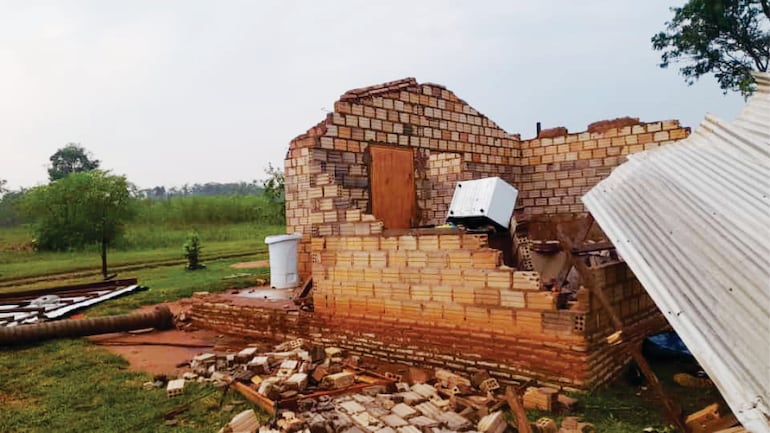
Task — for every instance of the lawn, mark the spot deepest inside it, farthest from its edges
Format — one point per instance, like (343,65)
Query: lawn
(74,386)
(170,283)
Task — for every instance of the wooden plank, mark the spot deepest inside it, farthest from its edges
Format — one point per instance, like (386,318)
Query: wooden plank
(258,399)
(392,185)
(589,248)
(513,399)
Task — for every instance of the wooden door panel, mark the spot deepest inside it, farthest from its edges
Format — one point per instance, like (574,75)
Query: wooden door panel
(392,185)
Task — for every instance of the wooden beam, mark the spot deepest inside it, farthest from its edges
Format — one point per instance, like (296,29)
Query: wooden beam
(264,403)
(517,407)
(589,248)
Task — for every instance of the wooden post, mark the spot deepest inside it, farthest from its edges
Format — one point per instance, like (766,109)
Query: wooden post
(517,407)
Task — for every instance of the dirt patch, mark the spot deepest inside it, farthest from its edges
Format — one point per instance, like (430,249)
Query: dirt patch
(159,352)
(12,400)
(251,265)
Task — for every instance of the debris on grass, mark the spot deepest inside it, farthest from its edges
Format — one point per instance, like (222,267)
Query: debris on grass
(307,387)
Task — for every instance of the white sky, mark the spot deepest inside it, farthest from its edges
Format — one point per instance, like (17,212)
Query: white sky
(173,92)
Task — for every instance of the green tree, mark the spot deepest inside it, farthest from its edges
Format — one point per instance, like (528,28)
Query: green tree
(9,213)
(728,38)
(3,189)
(81,209)
(71,158)
(275,188)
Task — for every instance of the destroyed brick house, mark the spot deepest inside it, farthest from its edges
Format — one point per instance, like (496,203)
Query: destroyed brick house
(369,188)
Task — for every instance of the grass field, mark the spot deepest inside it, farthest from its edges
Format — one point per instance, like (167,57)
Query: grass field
(157,244)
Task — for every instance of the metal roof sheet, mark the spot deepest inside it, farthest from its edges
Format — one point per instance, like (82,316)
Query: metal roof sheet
(692,220)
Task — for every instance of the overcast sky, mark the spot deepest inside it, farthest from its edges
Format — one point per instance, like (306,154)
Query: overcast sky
(174,92)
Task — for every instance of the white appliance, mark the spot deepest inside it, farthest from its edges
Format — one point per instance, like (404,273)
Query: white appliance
(483,201)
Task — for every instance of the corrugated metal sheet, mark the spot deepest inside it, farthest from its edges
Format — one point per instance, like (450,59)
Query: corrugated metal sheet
(692,220)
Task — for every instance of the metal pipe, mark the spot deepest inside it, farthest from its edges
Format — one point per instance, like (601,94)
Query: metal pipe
(160,318)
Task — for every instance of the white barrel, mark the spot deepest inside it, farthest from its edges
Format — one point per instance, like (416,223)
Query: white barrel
(283,260)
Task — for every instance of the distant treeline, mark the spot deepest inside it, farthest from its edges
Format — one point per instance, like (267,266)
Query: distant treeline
(206,189)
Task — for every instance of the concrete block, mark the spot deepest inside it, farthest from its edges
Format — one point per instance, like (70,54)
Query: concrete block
(175,387)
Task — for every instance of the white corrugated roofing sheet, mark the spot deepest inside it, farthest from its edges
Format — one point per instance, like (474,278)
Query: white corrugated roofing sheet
(692,220)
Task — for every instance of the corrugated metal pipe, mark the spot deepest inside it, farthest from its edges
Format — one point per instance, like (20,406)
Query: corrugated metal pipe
(160,318)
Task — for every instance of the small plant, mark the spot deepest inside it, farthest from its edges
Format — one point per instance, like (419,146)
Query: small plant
(192,251)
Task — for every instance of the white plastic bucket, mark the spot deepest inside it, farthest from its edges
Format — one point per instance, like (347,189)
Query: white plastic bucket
(283,260)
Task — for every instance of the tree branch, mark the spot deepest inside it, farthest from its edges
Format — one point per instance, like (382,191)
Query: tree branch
(765,7)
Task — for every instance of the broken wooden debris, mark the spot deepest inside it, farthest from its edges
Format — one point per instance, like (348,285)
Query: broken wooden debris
(709,420)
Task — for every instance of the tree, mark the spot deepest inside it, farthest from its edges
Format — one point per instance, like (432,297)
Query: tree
(80,209)
(274,185)
(71,158)
(728,38)
(275,188)
(3,189)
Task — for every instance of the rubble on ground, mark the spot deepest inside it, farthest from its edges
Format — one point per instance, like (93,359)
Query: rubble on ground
(308,388)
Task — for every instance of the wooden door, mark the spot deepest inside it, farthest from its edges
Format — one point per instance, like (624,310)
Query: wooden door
(391,180)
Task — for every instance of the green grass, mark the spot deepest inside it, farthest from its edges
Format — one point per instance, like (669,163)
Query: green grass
(623,408)
(174,282)
(144,244)
(222,210)
(74,386)
(14,239)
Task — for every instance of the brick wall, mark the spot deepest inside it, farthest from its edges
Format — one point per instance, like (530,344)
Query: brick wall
(449,280)
(435,186)
(418,320)
(330,160)
(327,171)
(447,294)
(507,357)
(557,171)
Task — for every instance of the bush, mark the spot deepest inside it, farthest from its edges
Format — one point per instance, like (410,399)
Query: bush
(192,251)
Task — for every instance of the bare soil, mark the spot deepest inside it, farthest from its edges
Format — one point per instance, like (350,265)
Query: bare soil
(251,265)
(160,352)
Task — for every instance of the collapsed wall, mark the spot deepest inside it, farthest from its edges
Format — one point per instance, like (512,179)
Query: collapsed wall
(445,300)
(388,158)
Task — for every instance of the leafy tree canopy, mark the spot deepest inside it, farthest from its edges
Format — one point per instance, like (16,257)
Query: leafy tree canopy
(274,185)
(78,210)
(728,38)
(71,158)
(275,189)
